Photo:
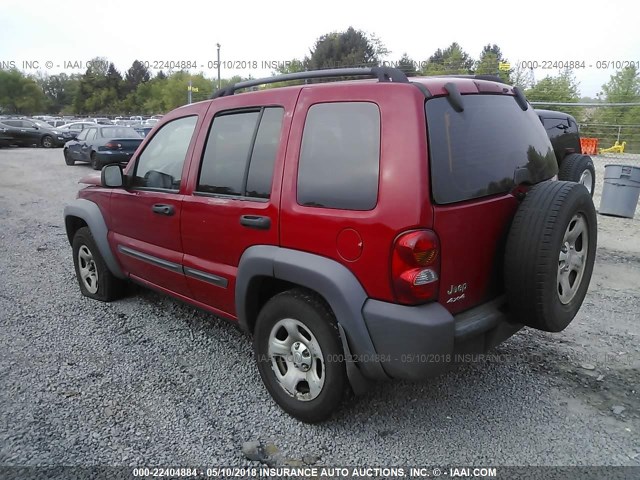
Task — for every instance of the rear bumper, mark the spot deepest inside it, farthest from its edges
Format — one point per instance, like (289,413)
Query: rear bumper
(413,343)
(107,157)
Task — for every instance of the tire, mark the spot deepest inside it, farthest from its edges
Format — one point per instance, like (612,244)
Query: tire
(95,163)
(578,168)
(47,141)
(94,277)
(299,322)
(549,255)
(67,158)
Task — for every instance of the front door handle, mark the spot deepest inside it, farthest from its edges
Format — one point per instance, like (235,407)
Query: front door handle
(255,221)
(162,209)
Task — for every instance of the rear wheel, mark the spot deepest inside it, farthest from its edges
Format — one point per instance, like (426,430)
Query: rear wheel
(578,168)
(550,254)
(95,163)
(67,158)
(47,141)
(299,355)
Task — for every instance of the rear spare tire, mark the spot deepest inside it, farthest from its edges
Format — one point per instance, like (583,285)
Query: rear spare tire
(549,255)
(578,168)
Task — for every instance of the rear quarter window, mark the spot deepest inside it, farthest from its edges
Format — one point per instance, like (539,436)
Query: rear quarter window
(340,156)
(476,152)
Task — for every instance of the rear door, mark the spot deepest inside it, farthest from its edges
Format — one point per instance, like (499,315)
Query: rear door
(473,158)
(234,192)
(18,132)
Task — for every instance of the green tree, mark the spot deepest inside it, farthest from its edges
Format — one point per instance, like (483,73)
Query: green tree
(138,73)
(60,90)
(351,48)
(607,123)
(407,65)
(521,77)
(90,96)
(562,88)
(450,61)
(489,63)
(20,94)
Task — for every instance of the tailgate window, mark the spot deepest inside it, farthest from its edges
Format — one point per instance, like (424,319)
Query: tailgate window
(476,152)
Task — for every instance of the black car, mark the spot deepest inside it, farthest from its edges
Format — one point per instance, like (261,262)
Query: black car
(102,144)
(27,133)
(564,134)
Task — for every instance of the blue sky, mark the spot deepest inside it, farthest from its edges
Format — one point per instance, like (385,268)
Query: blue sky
(48,31)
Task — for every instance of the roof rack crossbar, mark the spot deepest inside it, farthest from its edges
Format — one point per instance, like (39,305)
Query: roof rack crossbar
(383,74)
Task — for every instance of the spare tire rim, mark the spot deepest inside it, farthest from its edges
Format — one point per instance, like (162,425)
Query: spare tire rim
(586,179)
(296,359)
(573,258)
(87,268)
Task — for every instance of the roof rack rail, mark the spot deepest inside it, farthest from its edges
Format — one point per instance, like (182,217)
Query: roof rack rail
(492,78)
(383,74)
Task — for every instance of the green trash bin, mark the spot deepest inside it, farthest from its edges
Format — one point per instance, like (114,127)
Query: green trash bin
(620,191)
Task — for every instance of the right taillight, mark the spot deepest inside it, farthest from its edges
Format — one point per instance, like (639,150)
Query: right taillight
(415,267)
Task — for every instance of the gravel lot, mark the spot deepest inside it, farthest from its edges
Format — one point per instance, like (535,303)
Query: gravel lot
(150,381)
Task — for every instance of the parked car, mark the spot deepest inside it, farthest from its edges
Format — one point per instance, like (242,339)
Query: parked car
(76,127)
(56,123)
(564,134)
(358,230)
(149,122)
(26,133)
(143,130)
(102,145)
(101,121)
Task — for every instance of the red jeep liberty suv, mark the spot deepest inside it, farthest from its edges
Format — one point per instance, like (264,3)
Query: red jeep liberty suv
(360,230)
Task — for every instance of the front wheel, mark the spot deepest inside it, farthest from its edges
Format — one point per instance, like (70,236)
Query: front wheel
(94,277)
(67,158)
(299,355)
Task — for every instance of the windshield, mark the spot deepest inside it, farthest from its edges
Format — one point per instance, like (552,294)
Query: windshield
(119,132)
(476,152)
(41,124)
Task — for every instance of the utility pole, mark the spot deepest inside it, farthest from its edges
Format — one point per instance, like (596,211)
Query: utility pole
(218,45)
(189,94)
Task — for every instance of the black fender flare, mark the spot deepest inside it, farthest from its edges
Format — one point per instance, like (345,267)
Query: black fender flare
(333,281)
(92,216)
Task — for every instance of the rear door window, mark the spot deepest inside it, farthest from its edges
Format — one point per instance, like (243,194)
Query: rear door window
(476,152)
(240,153)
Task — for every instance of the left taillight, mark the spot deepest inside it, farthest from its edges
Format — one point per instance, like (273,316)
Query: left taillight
(113,145)
(415,267)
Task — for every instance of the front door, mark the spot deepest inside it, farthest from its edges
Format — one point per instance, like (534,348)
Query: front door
(145,217)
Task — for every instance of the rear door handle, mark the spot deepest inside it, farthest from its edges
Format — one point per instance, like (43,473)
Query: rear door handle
(255,221)
(162,209)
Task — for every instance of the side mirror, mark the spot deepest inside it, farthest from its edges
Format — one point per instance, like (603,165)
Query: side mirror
(111,176)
